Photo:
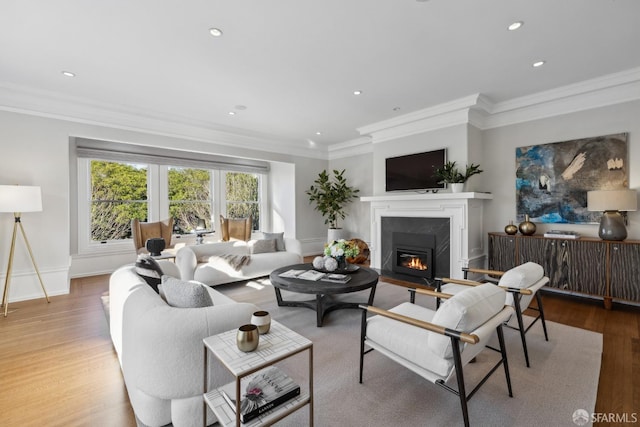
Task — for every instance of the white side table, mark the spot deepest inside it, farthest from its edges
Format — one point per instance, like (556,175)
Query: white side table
(279,344)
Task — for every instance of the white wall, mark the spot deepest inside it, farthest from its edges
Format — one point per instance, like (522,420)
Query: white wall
(34,152)
(282,198)
(358,172)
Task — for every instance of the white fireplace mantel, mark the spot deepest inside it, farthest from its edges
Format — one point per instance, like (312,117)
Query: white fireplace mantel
(464,210)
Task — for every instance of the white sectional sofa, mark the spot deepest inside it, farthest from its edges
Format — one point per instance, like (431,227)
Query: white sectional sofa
(160,347)
(212,263)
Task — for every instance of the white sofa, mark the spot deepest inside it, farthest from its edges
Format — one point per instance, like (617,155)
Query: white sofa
(205,264)
(160,348)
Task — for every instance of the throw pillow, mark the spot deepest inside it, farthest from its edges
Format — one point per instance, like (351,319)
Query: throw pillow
(465,311)
(149,269)
(179,293)
(522,276)
(263,246)
(278,237)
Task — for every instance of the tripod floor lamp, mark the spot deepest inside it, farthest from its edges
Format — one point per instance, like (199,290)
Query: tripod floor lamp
(18,199)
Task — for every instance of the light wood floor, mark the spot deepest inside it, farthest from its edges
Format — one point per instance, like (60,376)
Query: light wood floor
(58,368)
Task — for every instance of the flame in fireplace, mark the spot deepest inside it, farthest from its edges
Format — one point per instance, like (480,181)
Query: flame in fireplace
(415,263)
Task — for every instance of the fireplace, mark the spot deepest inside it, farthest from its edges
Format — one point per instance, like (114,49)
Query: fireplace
(413,254)
(458,226)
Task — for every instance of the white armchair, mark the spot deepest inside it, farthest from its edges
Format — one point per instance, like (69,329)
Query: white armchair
(437,344)
(522,284)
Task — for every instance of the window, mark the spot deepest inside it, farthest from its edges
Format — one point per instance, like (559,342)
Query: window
(190,197)
(112,192)
(242,192)
(118,194)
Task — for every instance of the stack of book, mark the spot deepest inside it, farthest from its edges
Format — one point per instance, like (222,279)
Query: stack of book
(314,275)
(562,234)
(261,392)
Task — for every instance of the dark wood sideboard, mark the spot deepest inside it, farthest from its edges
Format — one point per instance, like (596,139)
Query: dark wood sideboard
(587,266)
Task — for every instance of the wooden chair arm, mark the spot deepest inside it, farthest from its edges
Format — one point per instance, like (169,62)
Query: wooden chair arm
(462,336)
(484,271)
(472,283)
(431,293)
(460,281)
(517,290)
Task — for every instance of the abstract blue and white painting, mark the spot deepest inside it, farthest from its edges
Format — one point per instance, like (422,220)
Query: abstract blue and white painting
(552,179)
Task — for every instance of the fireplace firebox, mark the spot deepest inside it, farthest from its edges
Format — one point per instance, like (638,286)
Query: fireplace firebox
(414,262)
(413,254)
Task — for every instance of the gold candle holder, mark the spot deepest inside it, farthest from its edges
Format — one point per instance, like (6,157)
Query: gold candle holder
(262,320)
(247,338)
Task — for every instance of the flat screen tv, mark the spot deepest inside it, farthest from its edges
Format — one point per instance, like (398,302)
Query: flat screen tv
(414,171)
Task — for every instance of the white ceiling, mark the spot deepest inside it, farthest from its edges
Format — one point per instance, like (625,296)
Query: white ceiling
(294,64)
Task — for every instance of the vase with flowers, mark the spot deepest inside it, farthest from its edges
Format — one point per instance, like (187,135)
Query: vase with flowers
(340,250)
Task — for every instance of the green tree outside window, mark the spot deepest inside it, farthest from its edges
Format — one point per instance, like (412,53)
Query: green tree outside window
(242,190)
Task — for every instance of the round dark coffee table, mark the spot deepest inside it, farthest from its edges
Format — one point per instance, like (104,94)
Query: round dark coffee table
(363,278)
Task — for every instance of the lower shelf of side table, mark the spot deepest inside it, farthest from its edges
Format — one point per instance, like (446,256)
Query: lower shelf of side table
(227,417)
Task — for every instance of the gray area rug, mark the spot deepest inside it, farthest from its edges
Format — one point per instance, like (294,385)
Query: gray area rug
(562,379)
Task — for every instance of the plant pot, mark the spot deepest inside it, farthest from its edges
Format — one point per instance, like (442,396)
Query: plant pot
(457,187)
(336,234)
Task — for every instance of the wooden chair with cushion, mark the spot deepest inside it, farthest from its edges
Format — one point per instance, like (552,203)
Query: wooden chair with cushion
(236,228)
(522,284)
(142,231)
(438,344)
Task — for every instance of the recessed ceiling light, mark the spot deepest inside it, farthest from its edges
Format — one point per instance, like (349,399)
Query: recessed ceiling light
(215,32)
(232,113)
(68,74)
(357,92)
(318,133)
(515,25)
(538,64)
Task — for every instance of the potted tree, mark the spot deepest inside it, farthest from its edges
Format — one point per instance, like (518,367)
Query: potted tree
(451,175)
(331,195)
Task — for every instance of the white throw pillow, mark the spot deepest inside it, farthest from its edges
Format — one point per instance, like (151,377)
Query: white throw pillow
(522,276)
(179,293)
(465,312)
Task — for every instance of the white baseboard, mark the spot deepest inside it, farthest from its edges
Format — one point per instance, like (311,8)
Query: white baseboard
(24,285)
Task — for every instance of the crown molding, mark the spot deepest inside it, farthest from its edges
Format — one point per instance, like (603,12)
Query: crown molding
(603,91)
(354,147)
(19,99)
(477,110)
(440,116)
(481,112)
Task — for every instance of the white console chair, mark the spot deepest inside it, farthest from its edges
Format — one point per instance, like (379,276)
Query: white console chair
(437,344)
(522,284)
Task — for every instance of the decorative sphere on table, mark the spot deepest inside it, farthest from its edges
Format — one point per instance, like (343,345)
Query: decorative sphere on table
(318,263)
(330,264)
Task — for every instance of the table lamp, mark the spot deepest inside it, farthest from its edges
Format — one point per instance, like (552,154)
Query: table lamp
(611,202)
(18,199)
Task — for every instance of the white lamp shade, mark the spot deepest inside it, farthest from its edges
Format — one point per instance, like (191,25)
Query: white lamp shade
(612,200)
(20,198)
